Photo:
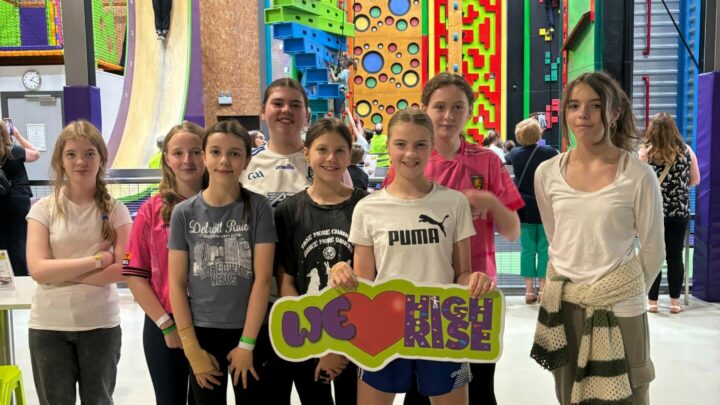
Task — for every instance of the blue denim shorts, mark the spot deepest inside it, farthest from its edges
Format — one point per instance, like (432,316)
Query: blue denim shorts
(434,378)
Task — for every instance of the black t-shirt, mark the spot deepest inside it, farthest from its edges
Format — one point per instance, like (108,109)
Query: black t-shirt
(313,237)
(14,168)
(529,214)
(358,176)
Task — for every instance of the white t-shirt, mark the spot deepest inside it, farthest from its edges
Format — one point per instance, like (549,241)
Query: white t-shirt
(276,176)
(70,306)
(591,233)
(413,238)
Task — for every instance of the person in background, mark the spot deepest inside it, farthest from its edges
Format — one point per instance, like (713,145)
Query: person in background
(676,166)
(357,174)
(508,146)
(378,146)
(15,204)
(76,242)
(258,138)
(594,200)
(146,262)
(340,75)
(162,9)
(533,242)
(155,161)
(492,141)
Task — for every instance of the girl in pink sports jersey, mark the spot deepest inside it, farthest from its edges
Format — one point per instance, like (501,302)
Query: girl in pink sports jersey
(146,261)
(480,175)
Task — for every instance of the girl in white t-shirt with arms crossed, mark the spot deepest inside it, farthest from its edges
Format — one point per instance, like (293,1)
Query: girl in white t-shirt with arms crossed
(76,240)
(413,205)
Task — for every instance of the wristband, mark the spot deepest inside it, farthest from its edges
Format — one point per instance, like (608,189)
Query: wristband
(98,261)
(246,346)
(248,340)
(169,329)
(162,320)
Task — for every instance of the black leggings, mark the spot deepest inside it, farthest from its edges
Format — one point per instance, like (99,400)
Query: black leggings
(674,244)
(219,342)
(169,369)
(162,10)
(481,388)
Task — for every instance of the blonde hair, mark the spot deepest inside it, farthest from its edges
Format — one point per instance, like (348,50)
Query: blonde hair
(84,131)
(663,141)
(168,184)
(413,116)
(623,132)
(528,132)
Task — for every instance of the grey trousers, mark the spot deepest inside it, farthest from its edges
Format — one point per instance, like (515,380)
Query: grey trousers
(60,360)
(637,352)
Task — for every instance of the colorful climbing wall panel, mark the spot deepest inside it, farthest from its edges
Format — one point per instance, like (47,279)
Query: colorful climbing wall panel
(390,48)
(476,25)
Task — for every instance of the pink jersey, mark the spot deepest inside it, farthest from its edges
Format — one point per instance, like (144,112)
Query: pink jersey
(147,252)
(475,167)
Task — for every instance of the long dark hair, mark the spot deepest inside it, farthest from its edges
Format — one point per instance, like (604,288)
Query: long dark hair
(235,129)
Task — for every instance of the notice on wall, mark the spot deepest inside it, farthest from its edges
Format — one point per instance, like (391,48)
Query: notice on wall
(36,136)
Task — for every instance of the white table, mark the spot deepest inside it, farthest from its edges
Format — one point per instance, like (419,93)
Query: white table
(19,298)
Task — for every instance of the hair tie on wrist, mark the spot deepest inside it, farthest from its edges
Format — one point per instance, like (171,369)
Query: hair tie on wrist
(105,217)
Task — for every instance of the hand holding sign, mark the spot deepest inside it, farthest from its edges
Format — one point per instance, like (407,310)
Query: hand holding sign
(342,277)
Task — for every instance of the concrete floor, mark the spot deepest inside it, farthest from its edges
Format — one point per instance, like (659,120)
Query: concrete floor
(685,350)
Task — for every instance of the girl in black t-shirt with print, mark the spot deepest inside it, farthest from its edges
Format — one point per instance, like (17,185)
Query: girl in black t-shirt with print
(313,226)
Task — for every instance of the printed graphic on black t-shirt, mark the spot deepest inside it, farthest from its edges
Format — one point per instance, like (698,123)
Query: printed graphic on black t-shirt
(419,236)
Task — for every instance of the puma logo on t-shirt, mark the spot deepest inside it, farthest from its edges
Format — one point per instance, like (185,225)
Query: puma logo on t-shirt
(425,218)
(423,236)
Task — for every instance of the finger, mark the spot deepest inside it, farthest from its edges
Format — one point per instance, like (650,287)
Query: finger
(213,379)
(214,361)
(317,372)
(236,376)
(254,373)
(244,378)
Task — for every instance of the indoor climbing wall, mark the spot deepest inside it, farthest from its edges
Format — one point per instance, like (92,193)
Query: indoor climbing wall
(467,38)
(390,47)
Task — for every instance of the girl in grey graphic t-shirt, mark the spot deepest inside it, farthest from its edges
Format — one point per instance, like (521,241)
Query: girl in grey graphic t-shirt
(221,248)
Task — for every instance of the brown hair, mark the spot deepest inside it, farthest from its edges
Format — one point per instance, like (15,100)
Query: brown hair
(413,116)
(528,131)
(84,131)
(663,141)
(285,82)
(5,143)
(167,191)
(491,137)
(623,132)
(356,154)
(444,79)
(236,129)
(327,125)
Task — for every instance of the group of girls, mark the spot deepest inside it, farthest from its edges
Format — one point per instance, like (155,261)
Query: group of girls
(202,254)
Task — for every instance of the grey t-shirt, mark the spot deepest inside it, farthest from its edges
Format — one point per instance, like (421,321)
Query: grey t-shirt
(220,260)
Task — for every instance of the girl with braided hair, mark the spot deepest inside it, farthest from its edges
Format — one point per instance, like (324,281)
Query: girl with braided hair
(76,240)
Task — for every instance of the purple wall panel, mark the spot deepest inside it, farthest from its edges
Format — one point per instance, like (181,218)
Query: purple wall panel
(195,105)
(706,261)
(82,102)
(33,26)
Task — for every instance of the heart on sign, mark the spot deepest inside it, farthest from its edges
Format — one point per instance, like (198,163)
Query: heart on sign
(379,322)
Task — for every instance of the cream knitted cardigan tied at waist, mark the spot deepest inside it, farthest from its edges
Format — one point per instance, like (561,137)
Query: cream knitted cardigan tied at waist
(602,371)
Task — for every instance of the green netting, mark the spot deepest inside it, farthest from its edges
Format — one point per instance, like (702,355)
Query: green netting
(9,24)
(106,48)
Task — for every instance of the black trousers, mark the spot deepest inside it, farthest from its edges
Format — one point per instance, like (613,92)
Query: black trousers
(481,388)
(162,10)
(675,229)
(169,369)
(13,229)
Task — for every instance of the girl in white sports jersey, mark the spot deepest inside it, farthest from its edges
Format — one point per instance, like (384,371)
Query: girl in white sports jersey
(413,203)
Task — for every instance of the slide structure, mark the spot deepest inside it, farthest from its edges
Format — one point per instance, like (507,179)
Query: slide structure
(157,76)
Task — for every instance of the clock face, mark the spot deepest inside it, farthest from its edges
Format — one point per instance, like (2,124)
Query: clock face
(31,80)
